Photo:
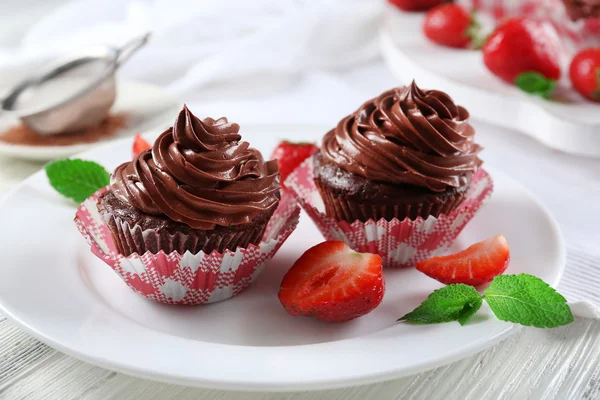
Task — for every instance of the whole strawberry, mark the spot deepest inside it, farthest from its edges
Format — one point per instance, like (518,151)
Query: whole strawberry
(290,155)
(451,25)
(585,73)
(333,283)
(416,5)
(522,45)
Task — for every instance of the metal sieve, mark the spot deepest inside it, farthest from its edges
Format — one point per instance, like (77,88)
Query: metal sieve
(73,93)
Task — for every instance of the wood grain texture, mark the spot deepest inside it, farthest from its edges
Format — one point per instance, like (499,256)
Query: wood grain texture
(561,363)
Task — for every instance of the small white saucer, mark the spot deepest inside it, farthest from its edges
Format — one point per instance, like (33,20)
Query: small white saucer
(144,106)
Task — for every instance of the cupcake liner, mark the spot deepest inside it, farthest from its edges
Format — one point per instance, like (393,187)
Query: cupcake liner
(189,278)
(399,243)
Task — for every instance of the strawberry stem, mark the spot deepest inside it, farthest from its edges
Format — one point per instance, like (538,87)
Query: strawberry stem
(535,83)
(596,93)
(474,32)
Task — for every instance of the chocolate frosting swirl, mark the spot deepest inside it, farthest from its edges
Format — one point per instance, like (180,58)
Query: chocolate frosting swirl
(198,172)
(406,136)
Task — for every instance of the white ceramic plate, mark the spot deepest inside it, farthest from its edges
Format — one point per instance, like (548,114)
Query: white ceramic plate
(569,124)
(55,289)
(144,105)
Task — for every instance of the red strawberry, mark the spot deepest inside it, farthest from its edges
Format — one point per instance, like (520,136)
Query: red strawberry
(585,73)
(333,283)
(450,25)
(139,144)
(478,264)
(416,5)
(522,45)
(290,155)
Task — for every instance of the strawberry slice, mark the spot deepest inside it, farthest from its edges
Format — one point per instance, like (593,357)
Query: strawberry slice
(290,155)
(139,144)
(333,283)
(474,266)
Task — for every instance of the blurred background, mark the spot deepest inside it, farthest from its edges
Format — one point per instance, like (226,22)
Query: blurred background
(221,57)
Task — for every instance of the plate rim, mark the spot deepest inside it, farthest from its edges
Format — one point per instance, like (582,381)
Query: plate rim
(280,386)
(204,383)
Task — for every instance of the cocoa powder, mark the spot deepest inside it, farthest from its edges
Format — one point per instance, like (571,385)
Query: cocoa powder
(22,135)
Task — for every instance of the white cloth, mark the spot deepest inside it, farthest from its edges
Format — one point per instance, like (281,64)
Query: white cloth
(200,42)
(269,56)
(302,62)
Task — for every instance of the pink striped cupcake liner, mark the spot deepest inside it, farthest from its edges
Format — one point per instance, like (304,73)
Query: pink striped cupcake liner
(189,278)
(400,244)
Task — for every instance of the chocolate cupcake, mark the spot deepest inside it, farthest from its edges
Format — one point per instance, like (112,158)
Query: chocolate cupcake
(199,188)
(407,153)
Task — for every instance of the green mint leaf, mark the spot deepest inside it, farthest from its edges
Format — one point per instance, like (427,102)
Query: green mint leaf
(536,84)
(527,300)
(76,179)
(470,309)
(449,303)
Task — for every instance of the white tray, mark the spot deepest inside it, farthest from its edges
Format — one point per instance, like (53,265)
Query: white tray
(570,124)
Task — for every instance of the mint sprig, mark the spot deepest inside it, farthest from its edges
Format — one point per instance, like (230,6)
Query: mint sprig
(76,179)
(536,84)
(523,299)
(469,310)
(450,303)
(527,300)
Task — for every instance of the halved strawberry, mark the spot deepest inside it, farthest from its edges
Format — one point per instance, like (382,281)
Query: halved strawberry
(139,144)
(333,283)
(474,266)
(290,155)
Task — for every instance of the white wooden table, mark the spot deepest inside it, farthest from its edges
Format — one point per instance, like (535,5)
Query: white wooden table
(562,363)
